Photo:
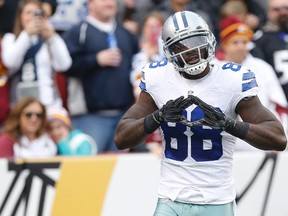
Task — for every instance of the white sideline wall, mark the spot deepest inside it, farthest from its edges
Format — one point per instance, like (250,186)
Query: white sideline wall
(125,185)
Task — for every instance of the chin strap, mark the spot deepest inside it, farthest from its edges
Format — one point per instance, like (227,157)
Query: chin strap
(199,70)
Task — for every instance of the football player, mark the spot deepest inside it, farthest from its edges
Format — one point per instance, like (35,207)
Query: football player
(196,105)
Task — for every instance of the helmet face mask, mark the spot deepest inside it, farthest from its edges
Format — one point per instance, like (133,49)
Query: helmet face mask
(189,51)
(188,42)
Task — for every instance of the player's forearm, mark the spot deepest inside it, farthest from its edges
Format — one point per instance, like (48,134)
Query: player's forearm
(267,136)
(130,133)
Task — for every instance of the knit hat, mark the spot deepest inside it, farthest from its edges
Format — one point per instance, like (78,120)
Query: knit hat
(60,114)
(232,26)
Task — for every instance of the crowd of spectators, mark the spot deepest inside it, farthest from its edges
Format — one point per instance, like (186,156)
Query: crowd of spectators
(78,65)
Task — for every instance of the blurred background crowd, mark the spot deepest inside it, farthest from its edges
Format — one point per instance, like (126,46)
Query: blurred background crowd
(69,69)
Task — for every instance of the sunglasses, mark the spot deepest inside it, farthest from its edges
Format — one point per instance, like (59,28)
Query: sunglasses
(29,115)
(277,9)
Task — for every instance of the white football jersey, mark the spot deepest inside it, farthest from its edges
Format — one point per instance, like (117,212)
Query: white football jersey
(196,166)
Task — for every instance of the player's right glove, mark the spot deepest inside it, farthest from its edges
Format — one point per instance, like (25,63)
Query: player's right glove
(172,111)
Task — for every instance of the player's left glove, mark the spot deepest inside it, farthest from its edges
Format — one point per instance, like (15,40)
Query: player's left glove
(217,119)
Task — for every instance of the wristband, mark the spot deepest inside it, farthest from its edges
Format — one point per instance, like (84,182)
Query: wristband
(236,128)
(152,122)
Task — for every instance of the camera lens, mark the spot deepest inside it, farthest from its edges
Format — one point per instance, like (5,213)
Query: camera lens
(38,13)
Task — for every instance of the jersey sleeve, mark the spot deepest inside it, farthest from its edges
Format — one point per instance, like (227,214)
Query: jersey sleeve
(244,84)
(142,84)
(155,79)
(153,74)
